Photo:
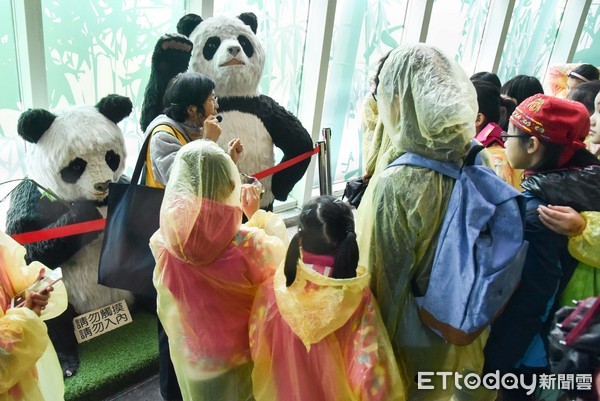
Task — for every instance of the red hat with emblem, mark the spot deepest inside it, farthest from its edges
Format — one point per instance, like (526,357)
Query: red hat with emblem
(555,120)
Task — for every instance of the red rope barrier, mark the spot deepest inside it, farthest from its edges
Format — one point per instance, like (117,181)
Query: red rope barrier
(97,225)
(59,232)
(281,166)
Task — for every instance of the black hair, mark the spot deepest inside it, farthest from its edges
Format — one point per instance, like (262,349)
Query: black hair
(521,87)
(326,227)
(551,154)
(376,77)
(186,89)
(587,71)
(586,94)
(488,98)
(487,77)
(507,106)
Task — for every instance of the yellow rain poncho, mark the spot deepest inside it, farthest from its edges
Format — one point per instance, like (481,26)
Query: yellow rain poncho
(428,106)
(29,367)
(321,339)
(209,267)
(584,247)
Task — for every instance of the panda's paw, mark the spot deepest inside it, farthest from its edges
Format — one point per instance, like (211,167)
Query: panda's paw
(174,41)
(171,55)
(69,363)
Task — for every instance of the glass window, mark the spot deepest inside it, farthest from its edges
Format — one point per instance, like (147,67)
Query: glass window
(530,38)
(456,27)
(588,49)
(95,48)
(364,31)
(12,149)
(282,31)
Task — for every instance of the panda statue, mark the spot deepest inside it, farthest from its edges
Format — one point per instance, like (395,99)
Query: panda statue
(227,50)
(75,155)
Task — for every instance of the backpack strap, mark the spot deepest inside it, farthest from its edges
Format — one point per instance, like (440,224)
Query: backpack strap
(412,159)
(447,168)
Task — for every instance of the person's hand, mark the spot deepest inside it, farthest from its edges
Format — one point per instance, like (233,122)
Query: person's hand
(562,220)
(235,149)
(37,301)
(212,129)
(250,199)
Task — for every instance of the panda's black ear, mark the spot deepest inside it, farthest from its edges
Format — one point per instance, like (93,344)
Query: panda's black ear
(250,20)
(188,23)
(115,107)
(33,123)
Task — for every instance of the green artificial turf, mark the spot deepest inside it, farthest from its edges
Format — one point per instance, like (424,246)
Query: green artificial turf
(115,360)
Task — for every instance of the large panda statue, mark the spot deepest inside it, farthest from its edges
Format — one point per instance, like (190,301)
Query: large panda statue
(75,154)
(227,50)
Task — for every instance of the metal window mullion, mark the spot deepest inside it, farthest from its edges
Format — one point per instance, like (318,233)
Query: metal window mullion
(416,21)
(494,35)
(204,8)
(315,66)
(31,59)
(569,31)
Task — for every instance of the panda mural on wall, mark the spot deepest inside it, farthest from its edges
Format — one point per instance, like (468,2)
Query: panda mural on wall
(76,154)
(227,50)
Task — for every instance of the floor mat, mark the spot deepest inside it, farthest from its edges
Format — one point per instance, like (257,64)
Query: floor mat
(115,360)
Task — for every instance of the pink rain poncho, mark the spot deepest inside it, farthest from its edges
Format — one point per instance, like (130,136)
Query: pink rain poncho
(29,367)
(209,267)
(321,339)
(428,106)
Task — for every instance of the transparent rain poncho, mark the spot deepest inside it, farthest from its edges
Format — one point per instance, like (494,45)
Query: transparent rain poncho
(321,339)
(427,106)
(209,267)
(29,367)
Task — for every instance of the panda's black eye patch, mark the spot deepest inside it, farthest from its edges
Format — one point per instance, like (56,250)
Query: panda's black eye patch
(246,45)
(112,159)
(73,171)
(210,47)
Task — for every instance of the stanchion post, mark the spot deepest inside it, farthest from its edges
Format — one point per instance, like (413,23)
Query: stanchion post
(322,168)
(327,139)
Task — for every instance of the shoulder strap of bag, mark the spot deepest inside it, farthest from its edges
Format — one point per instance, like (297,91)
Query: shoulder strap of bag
(413,159)
(447,168)
(137,171)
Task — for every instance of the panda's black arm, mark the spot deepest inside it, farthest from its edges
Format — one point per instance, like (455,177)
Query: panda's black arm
(289,135)
(167,62)
(29,211)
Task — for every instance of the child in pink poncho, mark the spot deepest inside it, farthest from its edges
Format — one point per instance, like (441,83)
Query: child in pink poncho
(209,267)
(315,329)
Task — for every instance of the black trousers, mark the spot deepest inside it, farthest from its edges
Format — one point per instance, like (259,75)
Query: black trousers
(169,388)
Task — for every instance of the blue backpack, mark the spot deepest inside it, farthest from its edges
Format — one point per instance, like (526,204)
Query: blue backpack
(480,251)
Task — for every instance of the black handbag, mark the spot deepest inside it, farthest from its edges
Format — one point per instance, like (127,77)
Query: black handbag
(354,191)
(133,212)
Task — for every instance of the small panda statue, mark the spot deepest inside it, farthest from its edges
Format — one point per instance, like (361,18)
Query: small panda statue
(227,50)
(76,154)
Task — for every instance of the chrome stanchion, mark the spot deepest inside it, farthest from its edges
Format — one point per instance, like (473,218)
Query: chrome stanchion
(329,180)
(322,168)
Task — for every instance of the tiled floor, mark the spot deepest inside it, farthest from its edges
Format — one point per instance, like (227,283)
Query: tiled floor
(146,391)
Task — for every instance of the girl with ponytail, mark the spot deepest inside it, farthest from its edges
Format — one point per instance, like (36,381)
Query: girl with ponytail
(315,328)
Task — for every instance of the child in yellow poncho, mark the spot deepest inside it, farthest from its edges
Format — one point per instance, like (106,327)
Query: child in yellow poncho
(208,268)
(315,329)
(29,368)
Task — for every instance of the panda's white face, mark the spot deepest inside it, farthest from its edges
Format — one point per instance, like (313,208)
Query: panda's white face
(227,50)
(79,155)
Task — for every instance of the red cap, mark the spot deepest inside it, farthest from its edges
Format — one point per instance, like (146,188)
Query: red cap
(555,120)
